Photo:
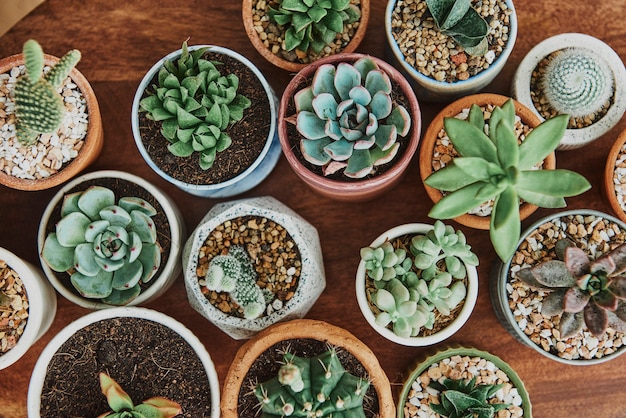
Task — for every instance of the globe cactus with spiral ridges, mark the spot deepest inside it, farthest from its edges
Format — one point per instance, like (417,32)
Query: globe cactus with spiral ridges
(348,118)
(39,107)
(107,248)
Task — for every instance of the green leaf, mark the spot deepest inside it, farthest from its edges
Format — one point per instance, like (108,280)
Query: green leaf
(457,203)
(505,224)
(456,13)
(476,117)
(180,149)
(470,141)
(542,141)
(359,165)
(506,144)
(556,183)
(58,257)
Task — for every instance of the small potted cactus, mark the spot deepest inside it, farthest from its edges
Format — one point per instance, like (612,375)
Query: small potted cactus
(349,125)
(577,75)
(204,119)
(417,284)
(293,33)
(50,107)
(492,167)
(152,356)
(110,238)
(446,48)
(306,368)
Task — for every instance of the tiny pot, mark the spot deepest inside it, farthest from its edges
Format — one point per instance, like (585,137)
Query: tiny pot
(418,341)
(130,362)
(170,239)
(239,182)
(323,333)
(587,78)
(430,138)
(93,141)
(343,188)
(522,405)
(42,306)
(614,176)
(431,90)
(295,66)
(310,283)
(533,247)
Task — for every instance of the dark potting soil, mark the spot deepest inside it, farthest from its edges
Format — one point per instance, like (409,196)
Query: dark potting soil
(248,135)
(146,358)
(266,366)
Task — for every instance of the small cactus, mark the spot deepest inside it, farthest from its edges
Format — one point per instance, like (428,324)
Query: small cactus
(39,106)
(460,399)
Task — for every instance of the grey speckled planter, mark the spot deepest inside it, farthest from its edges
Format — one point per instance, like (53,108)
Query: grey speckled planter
(312,278)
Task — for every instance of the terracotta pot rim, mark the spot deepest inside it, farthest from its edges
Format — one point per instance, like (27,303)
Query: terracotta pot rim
(609,170)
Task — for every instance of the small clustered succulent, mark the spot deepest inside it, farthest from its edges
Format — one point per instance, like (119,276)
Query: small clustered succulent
(348,118)
(493,166)
(39,107)
(460,399)
(107,248)
(234,273)
(195,104)
(459,20)
(410,286)
(122,405)
(583,291)
(312,387)
(313,24)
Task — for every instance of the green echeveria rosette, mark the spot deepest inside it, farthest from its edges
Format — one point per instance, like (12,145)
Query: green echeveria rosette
(107,248)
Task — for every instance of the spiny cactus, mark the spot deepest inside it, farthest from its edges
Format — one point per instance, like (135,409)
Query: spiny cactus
(234,273)
(348,119)
(107,248)
(39,106)
(459,399)
(459,20)
(313,24)
(577,81)
(312,387)
(582,291)
(123,407)
(195,104)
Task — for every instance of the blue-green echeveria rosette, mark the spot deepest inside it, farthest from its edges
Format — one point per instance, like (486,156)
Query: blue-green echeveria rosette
(107,247)
(348,118)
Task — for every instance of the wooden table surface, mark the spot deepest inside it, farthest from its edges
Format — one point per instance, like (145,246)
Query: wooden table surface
(121,40)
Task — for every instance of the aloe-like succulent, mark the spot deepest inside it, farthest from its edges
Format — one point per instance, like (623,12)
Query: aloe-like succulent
(195,104)
(459,20)
(312,387)
(122,405)
(582,291)
(493,166)
(348,118)
(107,248)
(39,107)
(313,24)
(460,399)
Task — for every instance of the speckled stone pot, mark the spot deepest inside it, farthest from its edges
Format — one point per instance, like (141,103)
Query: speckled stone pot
(312,278)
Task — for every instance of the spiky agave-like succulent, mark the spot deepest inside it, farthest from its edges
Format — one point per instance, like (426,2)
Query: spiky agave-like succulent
(460,399)
(313,24)
(348,119)
(39,107)
(582,291)
(122,405)
(459,20)
(195,104)
(312,387)
(107,248)
(493,166)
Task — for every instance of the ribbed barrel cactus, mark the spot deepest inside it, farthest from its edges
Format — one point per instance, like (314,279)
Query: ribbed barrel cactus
(348,118)
(39,107)
(312,387)
(313,24)
(107,248)
(195,104)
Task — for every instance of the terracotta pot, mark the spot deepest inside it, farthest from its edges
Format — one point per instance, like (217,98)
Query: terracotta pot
(304,328)
(94,139)
(430,137)
(609,170)
(358,190)
(290,66)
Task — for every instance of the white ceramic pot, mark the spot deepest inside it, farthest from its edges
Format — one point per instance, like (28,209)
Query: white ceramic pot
(42,306)
(364,305)
(160,282)
(312,279)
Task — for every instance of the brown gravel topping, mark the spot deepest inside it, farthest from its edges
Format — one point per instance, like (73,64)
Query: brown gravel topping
(13,308)
(619,177)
